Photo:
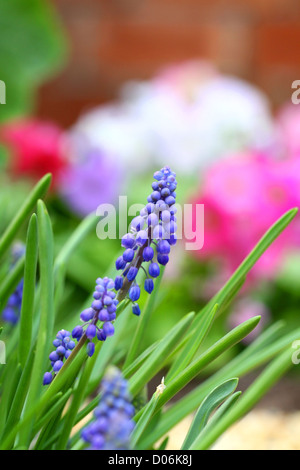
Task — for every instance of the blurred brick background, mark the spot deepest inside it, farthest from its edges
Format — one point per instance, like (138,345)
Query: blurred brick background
(112,41)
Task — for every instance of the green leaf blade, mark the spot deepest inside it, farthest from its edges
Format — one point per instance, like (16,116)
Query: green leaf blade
(209,404)
(38,192)
(153,363)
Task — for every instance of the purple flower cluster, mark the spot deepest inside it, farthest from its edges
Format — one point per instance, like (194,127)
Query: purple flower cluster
(151,235)
(103,308)
(11,312)
(64,346)
(113,424)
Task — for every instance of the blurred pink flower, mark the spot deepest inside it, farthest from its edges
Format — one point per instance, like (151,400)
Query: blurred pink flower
(185,78)
(36,149)
(245,309)
(288,128)
(243,196)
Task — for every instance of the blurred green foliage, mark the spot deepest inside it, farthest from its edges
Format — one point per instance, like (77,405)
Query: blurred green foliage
(32,47)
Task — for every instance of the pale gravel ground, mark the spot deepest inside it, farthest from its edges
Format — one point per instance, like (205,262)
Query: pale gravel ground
(273,425)
(259,430)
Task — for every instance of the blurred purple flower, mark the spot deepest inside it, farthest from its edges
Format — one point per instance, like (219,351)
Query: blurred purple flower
(91,179)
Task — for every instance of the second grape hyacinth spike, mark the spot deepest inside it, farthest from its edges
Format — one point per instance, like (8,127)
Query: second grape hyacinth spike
(103,309)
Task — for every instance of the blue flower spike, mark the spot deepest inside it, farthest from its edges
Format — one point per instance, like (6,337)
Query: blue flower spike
(151,236)
(113,423)
(64,346)
(11,312)
(103,309)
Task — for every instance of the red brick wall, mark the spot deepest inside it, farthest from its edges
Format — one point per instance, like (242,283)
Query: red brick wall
(115,40)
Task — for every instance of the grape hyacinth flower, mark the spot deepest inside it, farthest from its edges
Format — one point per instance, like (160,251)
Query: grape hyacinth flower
(11,312)
(64,346)
(150,238)
(103,308)
(113,424)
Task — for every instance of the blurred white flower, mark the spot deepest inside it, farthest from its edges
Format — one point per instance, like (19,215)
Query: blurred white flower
(187,116)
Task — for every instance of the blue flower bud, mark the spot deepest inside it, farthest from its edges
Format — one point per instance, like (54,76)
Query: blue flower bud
(154,270)
(112,316)
(134,293)
(67,354)
(136,309)
(77,332)
(107,300)
(141,237)
(155,196)
(152,220)
(171,179)
(91,331)
(158,175)
(119,282)
(128,255)
(87,314)
(149,285)
(60,350)
(173,226)
(131,275)
(103,315)
(160,206)
(100,288)
(47,378)
(128,241)
(57,366)
(165,192)
(100,335)
(112,308)
(158,232)
(166,217)
(53,356)
(97,304)
(173,239)
(120,263)
(137,223)
(162,259)
(97,295)
(90,349)
(108,329)
(170,200)
(148,253)
(150,207)
(163,247)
